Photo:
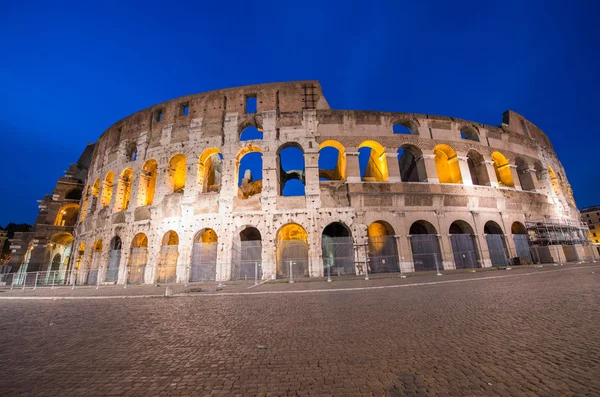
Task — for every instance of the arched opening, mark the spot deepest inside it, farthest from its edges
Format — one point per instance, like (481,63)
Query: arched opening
(292,251)
(107,189)
(114,259)
(446,164)
(176,173)
(404,126)
(131,153)
(67,215)
(337,248)
(247,254)
(249,175)
(204,256)
(425,246)
(95,192)
(411,164)
(73,194)
(496,244)
(469,133)
(147,183)
(502,168)
(383,248)
(80,254)
(464,246)
(524,173)
(290,170)
(210,168)
(554,181)
(56,262)
(332,161)
(251,133)
(138,259)
(93,272)
(372,162)
(84,205)
(167,259)
(477,169)
(124,190)
(521,240)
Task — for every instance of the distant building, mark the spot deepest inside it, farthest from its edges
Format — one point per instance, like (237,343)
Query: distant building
(591,216)
(3,238)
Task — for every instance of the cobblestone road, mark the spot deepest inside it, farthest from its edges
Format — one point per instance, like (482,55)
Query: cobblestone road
(531,335)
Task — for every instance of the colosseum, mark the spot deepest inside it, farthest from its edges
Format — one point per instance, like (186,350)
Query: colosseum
(267,181)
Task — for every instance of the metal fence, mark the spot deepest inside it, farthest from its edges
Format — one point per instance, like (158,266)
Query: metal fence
(138,258)
(338,256)
(426,252)
(247,260)
(464,251)
(292,259)
(383,254)
(204,262)
(497,249)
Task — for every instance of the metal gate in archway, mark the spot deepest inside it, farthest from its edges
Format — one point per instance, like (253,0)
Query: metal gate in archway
(92,276)
(426,252)
(465,251)
(383,254)
(522,247)
(167,264)
(294,254)
(497,249)
(204,262)
(338,255)
(138,259)
(112,271)
(247,260)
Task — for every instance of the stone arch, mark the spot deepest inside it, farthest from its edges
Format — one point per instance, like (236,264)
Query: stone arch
(80,255)
(131,152)
(107,188)
(383,248)
(96,188)
(124,190)
(74,194)
(328,169)
(477,168)
(168,256)
(247,254)
(203,265)
(425,246)
(56,262)
(372,161)
(84,204)
(464,247)
(502,168)
(210,169)
(411,163)
(246,182)
(138,259)
(291,169)
(147,184)
(177,173)
(521,240)
(496,243)
(405,125)
(556,188)
(292,246)
(114,260)
(250,129)
(446,163)
(469,132)
(337,247)
(67,215)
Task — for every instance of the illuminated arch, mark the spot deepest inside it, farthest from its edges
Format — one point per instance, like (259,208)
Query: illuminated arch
(140,240)
(147,184)
(96,188)
(138,258)
(203,265)
(373,162)
(383,248)
(329,170)
(167,261)
(84,204)
(446,163)
(177,172)
(554,181)
(124,190)
(292,246)
(170,238)
(67,215)
(206,235)
(210,168)
(98,245)
(248,184)
(502,168)
(518,228)
(107,189)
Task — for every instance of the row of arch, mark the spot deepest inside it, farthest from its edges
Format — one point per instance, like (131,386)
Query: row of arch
(339,251)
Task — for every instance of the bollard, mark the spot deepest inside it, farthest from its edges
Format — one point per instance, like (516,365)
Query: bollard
(255,273)
(36,279)
(53,277)
(169,292)
(291,274)
(329,273)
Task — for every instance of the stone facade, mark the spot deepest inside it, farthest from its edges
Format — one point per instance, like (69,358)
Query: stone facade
(149,185)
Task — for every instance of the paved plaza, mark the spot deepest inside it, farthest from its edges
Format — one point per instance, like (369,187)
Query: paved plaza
(527,332)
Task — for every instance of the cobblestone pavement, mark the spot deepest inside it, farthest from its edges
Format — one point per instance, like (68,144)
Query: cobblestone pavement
(531,334)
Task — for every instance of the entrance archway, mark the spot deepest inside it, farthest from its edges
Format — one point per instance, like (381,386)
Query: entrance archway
(496,244)
(114,259)
(521,240)
(338,250)
(425,246)
(463,245)
(138,259)
(383,249)
(204,256)
(292,251)
(247,254)
(167,261)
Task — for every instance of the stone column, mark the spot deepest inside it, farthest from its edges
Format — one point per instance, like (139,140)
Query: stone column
(464,170)
(192,185)
(352,167)
(484,254)
(445,245)
(515,177)
(426,164)
(491,171)
(312,188)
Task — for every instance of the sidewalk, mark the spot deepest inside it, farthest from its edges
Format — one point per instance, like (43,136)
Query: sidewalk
(281,286)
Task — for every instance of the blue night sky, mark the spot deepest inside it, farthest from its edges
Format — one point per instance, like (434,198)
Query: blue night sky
(70,70)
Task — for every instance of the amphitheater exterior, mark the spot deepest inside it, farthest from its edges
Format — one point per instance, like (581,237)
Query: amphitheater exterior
(168,198)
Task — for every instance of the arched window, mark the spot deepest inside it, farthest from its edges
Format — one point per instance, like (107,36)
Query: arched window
(210,168)
(84,205)
(107,189)
(167,258)
(67,215)
(138,259)
(247,254)
(477,168)
(292,251)
(446,163)
(503,172)
(337,249)
(204,256)
(464,248)
(249,164)
(383,249)
(177,172)
(404,126)
(332,161)
(290,170)
(496,244)
(425,246)
(373,162)
(73,194)
(114,259)
(554,181)
(147,183)
(93,273)
(410,162)
(469,133)
(131,154)
(124,190)
(251,133)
